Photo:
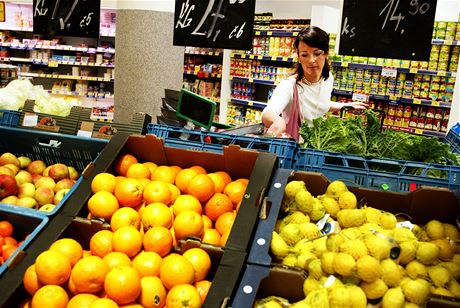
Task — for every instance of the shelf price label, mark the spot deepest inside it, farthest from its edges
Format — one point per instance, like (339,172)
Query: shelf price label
(448,42)
(419,131)
(257,33)
(389,72)
(360,97)
(251,57)
(417,101)
(53,63)
(250,103)
(269,33)
(441,73)
(285,58)
(413,70)
(344,64)
(435,103)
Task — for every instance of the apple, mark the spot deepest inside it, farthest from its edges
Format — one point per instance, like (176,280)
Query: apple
(45,181)
(64,183)
(26,190)
(8,185)
(36,167)
(47,207)
(10,200)
(44,195)
(9,158)
(8,250)
(24,161)
(23,177)
(27,202)
(59,195)
(6,229)
(14,168)
(58,172)
(6,170)
(36,177)
(46,172)
(73,173)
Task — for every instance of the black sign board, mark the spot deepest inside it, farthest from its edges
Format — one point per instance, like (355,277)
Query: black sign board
(67,17)
(396,29)
(214,23)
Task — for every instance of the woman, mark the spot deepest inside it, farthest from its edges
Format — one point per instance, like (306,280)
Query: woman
(311,83)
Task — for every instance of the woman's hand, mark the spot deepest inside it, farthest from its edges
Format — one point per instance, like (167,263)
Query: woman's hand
(357,105)
(278,126)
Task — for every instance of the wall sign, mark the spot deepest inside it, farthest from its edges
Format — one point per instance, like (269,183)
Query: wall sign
(397,29)
(67,17)
(214,23)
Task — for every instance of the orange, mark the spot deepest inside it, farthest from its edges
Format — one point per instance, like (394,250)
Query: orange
(138,171)
(152,166)
(175,270)
(176,169)
(50,296)
(132,305)
(159,240)
(86,253)
(235,191)
(127,240)
(103,181)
(123,162)
(243,180)
(188,223)
(184,177)
(148,263)
(88,275)
(125,216)
(186,202)
(144,182)
(103,204)
(225,176)
(219,183)
(211,236)
(201,262)
(164,174)
(175,192)
(156,215)
(217,205)
(116,258)
(70,248)
(123,284)
(224,238)
(199,169)
(82,300)
(100,243)
(203,287)
(119,178)
(202,187)
(183,295)
(207,222)
(225,222)
(103,303)
(31,283)
(52,267)
(173,236)
(153,293)
(129,192)
(157,191)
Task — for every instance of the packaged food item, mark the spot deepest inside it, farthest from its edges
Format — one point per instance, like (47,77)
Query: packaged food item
(407,111)
(437,125)
(405,122)
(444,124)
(391,110)
(389,120)
(421,122)
(430,112)
(399,111)
(413,121)
(429,123)
(397,121)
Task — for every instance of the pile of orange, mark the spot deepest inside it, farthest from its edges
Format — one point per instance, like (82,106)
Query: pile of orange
(150,208)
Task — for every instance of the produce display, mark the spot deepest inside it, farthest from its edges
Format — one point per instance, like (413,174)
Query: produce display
(33,184)
(364,255)
(8,244)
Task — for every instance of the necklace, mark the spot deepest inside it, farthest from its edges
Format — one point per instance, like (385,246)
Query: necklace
(309,83)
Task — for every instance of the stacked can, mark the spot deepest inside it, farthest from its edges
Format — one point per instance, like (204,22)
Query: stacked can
(451,28)
(445,120)
(367,81)
(434,88)
(375,80)
(443,62)
(441,30)
(449,90)
(425,87)
(400,84)
(454,57)
(383,83)
(417,86)
(359,81)
(391,86)
(457,33)
(434,57)
(351,74)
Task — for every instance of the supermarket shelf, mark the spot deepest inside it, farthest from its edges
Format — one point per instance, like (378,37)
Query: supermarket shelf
(41,62)
(444,42)
(249,103)
(397,100)
(276,33)
(57,47)
(73,93)
(417,131)
(27,29)
(56,76)
(204,53)
(260,57)
(205,74)
(399,69)
(252,80)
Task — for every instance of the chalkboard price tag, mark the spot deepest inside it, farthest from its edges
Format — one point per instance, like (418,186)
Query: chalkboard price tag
(389,72)
(214,23)
(387,28)
(78,18)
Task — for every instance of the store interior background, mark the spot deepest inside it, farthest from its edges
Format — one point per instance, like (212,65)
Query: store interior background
(147,62)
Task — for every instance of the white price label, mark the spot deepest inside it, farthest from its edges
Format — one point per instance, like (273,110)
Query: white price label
(84,133)
(330,280)
(405,224)
(30,120)
(389,72)
(320,224)
(360,97)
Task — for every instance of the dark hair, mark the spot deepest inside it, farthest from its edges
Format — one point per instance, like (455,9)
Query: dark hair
(314,37)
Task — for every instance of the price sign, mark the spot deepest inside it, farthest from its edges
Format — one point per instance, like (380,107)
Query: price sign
(387,28)
(53,63)
(442,73)
(214,23)
(413,70)
(360,97)
(67,17)
(419,131)
(389,72)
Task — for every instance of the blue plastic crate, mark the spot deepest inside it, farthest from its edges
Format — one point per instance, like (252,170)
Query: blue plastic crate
(178,137)
(26,223)
(9,118)
(52,148)
(398,176)
(453,139)
(456,128)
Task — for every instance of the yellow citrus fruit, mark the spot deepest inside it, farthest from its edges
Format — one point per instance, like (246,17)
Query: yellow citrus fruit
(88,275)
(125,216)
(156,215)
(138,171)
(186,202)
(183,293)
(153,293)
(127,240)
(52,267)
(116,258)
(82,300)
(123,284)
(148,263)
(100,243)
(50,296)
(103,181)
(159,240)
(70,248)
(201,262)
(175,270)
(188,223)
(103,204)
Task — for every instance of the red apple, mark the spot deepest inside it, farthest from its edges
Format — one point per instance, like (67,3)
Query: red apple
(59,195)
(45,181)
(6,229)
(63,184)
(24,161)
(46,172)
(27,202)
(26,190)
(8,185)
(10,200)
(58,172)
(36,167)
(44,195)
(6,170)
(23,177)
(9,158)
(73,174)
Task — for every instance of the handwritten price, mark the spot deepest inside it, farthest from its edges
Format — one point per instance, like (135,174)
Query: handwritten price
(392,7)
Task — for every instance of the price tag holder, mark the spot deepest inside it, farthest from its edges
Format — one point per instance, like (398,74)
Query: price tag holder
(435,103)
(413,70)
(251,57)
(53,63)
(84,133)
(417,101)
(269,33)
(344,64)
(273,58)
(448,42)
(393,98)
(30,119)
(250,103)
(250,80)
(419,131)
(441,73)
(360,97)
(389,72)
(285,59)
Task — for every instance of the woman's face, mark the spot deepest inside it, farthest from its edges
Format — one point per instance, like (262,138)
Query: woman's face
(312,60)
